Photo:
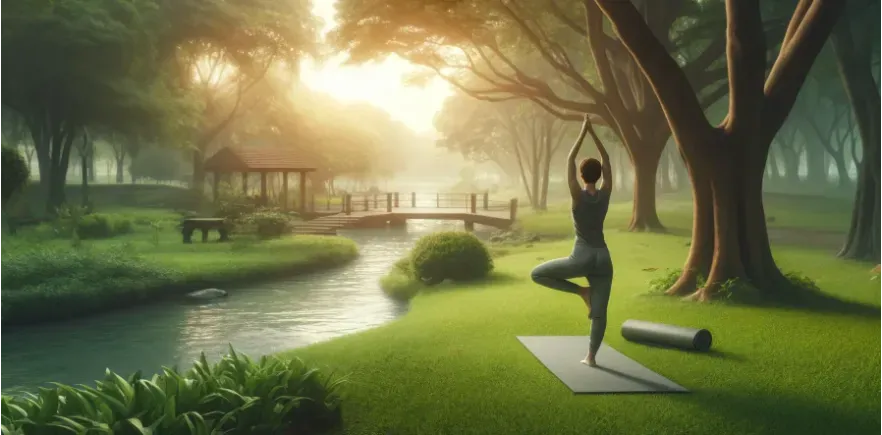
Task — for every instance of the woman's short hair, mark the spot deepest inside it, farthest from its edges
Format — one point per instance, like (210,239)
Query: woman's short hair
(590,169)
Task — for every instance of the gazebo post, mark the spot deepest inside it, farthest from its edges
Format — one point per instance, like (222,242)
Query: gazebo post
(302,191)
(245,183)
(263,200)
(285,190)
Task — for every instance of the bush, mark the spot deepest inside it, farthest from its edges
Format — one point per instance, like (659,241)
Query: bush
(235,209)
(102,226)
(399,283)
(15,173)
(268,222)
(457,256)
(234,396)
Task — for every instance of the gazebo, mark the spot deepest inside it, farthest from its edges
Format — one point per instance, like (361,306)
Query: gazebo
(262,160)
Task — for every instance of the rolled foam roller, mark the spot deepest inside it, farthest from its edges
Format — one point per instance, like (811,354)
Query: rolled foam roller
(670,335)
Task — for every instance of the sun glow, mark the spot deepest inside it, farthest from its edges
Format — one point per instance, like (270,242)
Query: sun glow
(378,83)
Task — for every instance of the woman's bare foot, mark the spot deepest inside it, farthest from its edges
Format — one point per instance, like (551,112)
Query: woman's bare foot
(585,294)
(589,361)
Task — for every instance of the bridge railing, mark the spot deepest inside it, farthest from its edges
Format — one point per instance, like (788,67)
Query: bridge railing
(390,201)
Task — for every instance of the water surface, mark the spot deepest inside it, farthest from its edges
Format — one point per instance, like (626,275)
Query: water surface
(259,319)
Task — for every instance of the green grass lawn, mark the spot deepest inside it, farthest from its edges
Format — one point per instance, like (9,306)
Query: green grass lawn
(453,365)
(675,211)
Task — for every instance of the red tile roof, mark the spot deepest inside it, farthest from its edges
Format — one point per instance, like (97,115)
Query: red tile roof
(269,158)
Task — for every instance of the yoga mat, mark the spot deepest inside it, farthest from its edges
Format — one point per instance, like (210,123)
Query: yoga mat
(615,373)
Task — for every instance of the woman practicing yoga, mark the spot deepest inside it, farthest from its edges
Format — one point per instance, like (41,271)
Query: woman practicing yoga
(590,257)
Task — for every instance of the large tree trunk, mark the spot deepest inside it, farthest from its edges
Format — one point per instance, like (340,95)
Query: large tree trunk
(729,234)
(644,216)
(53,139)
(726,163)
(862,242)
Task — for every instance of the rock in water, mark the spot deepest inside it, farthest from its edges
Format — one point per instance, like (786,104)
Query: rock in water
(209,293)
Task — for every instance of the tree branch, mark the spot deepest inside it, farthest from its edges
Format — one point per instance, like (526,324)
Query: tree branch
(558,12)
(746,59)
(668,81)
(795,60)
(537,42)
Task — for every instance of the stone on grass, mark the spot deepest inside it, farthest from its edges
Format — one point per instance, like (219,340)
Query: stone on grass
(207,294)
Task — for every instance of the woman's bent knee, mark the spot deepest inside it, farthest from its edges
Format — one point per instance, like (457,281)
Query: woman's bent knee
(536,276)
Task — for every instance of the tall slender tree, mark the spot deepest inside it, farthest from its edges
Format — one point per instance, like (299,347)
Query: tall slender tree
(854,41)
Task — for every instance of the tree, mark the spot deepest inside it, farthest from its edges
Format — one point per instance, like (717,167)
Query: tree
(790,147)
(13,177)
(158,163)
(220,51)
(821,112)
(94,66)
(85,150)
(726,162)
(15,133)
(342,140)
(514,134)
(854,49)
(554,53)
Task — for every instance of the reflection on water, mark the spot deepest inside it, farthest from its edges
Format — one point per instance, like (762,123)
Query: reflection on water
(257,320)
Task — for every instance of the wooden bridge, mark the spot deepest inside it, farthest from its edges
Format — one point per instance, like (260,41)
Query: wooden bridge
(374,210)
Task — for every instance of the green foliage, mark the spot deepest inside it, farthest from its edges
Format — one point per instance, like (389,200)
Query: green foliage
(268,223)
(735,290)
(51,283)
(158,164)
(399,282)
(235,208)
(235,396)
(15,173)
(663,282)
(454,255)
(802,282)
(102,226)
(75,223)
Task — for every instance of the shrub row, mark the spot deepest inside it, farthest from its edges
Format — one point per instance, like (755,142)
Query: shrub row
(235,396)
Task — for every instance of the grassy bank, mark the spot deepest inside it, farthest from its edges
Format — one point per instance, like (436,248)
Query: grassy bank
(452,365)
(46,278)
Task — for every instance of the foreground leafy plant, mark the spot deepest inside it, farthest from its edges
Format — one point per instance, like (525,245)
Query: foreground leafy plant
(235,396)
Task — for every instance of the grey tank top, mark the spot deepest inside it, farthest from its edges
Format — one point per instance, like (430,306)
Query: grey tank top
(589,213)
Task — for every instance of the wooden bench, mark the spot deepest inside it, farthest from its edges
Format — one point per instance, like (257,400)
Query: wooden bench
(205,225)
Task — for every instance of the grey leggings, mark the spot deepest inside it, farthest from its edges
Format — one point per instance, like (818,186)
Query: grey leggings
(594,264)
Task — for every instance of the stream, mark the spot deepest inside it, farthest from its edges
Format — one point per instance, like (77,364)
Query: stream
(260,319)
